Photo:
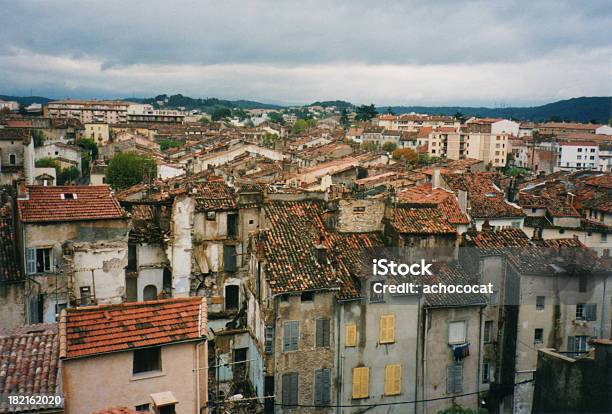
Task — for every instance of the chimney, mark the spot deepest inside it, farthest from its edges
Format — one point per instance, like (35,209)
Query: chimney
(22,190)
(462,197)
(435,179)
(486,226)
(321,251)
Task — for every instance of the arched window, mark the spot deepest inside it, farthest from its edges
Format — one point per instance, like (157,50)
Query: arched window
(149,292)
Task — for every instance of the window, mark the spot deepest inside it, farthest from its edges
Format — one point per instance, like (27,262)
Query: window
(454,378)
(579,149)
(132,261)
(351,335)
(211,215)
(149,292)
(85,292)
(538,336)
(486,372)
(39,260)
(540,302)
(586,311)
(577,344)
(561,231)
(322,387)
(374,296)
(58,310)
(359,209)
(291,332)
(269,339)
(393,379)
(232,297)
(580,311)
(488,331)
(232,225)
(322,333)
(516,224)
(386,334)
(12,159)
(361,381)
(307,296)
(456,332)
(229,258)
(147,360)
(290,389)
(604,237)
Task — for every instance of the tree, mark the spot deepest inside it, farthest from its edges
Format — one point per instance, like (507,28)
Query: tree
(405,154)
(5,111)
(369,146)
(221,113)
(128,168)
(300,126)
(276,117)
(366,112)
(344,119)
(47,163)
(269,140)
(38,138)
(390,111)
(89,154)
(68,175)
(389,146)
(459,116)
(169,143)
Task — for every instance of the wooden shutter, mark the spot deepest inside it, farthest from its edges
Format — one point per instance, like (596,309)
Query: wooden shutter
(322,387)
(290,336)
(454,378)
(269,339)
(290,389)
(393,379)
(361,379)
(387,329)
(590,310)
(571,344)
(322,333)
(30,261)
(351,335)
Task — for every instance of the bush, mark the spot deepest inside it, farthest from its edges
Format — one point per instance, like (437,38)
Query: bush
(128,168)
(169,143)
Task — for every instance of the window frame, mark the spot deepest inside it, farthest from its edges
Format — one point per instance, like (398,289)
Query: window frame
(457,342)
(147,370)
(289,344)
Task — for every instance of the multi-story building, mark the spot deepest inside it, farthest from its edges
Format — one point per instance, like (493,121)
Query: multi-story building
(449,143)
(89,111)
(578,155)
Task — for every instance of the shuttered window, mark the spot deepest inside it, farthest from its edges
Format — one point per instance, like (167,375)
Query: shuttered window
(269,339)
(229,258)
(387,329)
(30,261)
(590,311)
(290,389)
(454,378)
(351,335)
(456,332)
(361,380)
(291,331)
(322,387)
(322,333)
(393,379)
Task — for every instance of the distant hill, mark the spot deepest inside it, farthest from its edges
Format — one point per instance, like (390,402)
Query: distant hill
(205,104)
(26,100)
(337,104)
(583,109)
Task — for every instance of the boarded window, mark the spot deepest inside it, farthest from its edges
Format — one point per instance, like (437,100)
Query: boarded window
(291,331)
(456,332)
(322,333)
(232,297)
(454,378)
(232,225)
(386,333)
(229,258)
(361,381)
(85,292)
(146,360)
(351,335)
(269,339)
(290,389)
(322,387)
(393,379)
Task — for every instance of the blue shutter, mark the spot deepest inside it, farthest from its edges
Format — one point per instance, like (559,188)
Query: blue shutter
(30,261)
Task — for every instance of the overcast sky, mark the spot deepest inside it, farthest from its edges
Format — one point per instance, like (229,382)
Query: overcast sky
(388,52)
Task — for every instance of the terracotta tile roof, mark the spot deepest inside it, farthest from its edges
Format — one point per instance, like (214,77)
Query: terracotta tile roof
(419,220)
(295,229)
(447,274)
(215,196)
(552,196)
(93,330)
(14,134)
(29,360)
(10,269)
(444,200)
(47,204)
(502,238)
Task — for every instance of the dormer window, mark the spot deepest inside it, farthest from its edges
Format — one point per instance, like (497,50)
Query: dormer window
(68,196)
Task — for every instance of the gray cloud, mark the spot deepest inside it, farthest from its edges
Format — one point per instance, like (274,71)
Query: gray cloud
(389,52)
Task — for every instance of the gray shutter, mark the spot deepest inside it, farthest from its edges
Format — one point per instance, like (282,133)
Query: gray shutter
(269,339)
(286,389)
(286,336)
(571,344)
(295,333)
(591,311)
(326,386)
(326,323)
(30,261)
(318,397)
(290,389)
(290,336)
(454,378)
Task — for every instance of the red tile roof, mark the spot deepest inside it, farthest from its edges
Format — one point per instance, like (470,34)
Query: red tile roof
(111,328)
(47,204)
(29,360)
(415,220)
(9,262)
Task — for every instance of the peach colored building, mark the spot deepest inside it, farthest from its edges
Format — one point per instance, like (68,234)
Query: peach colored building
(147,356)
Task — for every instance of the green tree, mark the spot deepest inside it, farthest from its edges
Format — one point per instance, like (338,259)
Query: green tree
(204,120)
(389,146)
(169,143)
(38,138)
(68,175)
(269,140)
(366,112)
(369,146)
(344,119)
(47,163)
(89,153)
(459,116)
(300,126)
(405,154)
(128,168)
(221,113)
(276,117)
(390,111)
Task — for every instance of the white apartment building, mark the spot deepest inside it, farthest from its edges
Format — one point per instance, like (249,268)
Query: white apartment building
(456,145)
(578,155)
(605,156)
(89,111)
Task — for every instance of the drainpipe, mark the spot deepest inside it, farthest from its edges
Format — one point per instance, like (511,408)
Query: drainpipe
(603,307)
(479,356)
(416,360)
(425,332)
(338,360)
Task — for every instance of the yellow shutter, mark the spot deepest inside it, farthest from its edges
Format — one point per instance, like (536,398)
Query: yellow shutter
(361,380)
(351,335)
(387,329)
(393,379)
